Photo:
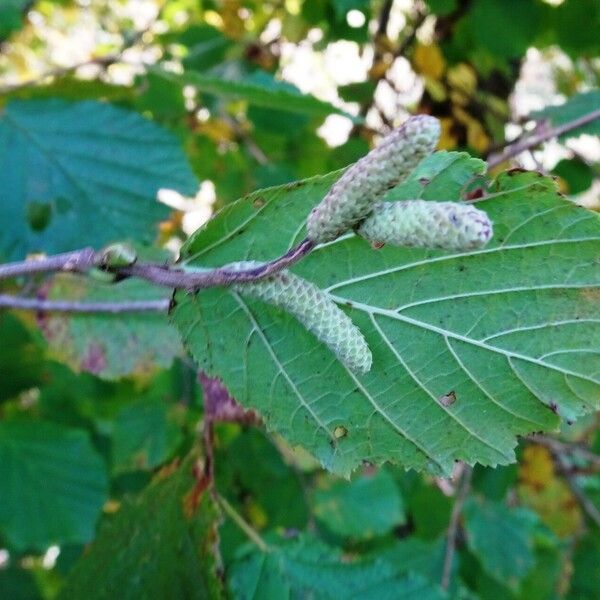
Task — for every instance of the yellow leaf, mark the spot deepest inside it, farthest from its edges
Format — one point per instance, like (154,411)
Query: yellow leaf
(448,139)
(429,61)
(463,78)
(555,505)
(537,467)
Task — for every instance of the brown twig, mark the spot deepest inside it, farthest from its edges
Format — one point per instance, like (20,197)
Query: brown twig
(461,495)
(169,276)
(8,301)
(542,133)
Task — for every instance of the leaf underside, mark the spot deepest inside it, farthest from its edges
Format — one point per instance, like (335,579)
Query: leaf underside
(512,330)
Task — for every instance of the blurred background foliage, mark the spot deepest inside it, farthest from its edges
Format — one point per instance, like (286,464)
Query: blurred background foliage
(259,94)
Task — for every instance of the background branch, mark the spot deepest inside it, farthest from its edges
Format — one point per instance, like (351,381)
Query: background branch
(7,301)
(461,495)
(542,133)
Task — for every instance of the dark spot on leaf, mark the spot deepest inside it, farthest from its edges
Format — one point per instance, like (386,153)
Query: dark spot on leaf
(474,194)
(38,215)
(424,181)
(377,245)
(461,268)
(553,407)
(259,202)
(515,171)
(448,399)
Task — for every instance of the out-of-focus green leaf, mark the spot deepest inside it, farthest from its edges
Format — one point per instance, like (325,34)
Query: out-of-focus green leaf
(54,484)
(160,97)
(260,89)
(576,174)
(357,92)
(21,360)
(97,167)
(12,16)
(575,24)
(110,345)
(415,555)
(501,539)
(441,7)
(368,506)
(271,491)
(206,46)
(586,575)
(574,108)
(18,584)
(306,568)
(504,28)
(158,545)
(507,328)
(143,436)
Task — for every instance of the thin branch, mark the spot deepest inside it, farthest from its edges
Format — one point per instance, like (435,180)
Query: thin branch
(461,495)
(7,301)
(252,534)
(76,261)
(541,134)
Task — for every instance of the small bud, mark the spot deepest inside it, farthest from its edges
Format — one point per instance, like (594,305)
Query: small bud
(351,198)
(118,255)
(314,309)
(426,224)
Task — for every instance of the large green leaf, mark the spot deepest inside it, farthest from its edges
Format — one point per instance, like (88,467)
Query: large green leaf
(259,89)
(512,329)
(306,568)
(368,506)
(53,484)
(501,538)
(110,345)
(159,545)
(82,173)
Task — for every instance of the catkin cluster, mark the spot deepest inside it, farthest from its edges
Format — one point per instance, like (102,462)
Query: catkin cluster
(351,198)
(353,203)
(314,309)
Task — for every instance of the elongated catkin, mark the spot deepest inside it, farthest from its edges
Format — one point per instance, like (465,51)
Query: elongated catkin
(315,310)
(427,224)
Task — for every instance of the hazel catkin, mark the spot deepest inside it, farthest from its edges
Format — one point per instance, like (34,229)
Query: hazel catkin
(351,198)
(314,309)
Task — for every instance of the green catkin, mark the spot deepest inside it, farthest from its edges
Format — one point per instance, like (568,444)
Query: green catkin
(351,198)
(426,224)
(314,309)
